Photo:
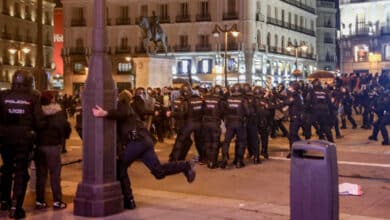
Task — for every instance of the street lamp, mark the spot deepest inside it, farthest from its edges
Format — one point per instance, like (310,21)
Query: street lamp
(295,47)
(234,31)
(375,58)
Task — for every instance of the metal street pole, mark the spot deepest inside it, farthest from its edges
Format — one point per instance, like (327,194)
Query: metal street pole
(99,193)
(39,71)
(225,60)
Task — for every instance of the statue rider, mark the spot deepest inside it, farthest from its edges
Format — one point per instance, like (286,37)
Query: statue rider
(154,24)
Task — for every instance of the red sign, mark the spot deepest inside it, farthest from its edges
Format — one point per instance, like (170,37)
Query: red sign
(58,40)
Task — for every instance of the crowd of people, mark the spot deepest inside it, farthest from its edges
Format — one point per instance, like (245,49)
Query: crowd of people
(209,118)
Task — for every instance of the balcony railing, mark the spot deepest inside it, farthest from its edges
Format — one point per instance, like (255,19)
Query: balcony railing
(29,39)
(290,26)
(328,40)
(203,47)
(122,21)
(183,18)
(5,36)
(203,17)
(182,48)
(230,46)
(300,5)
(385,29)
(77,51)
(260,17)
(48,43)
(232,15)
(283,51)
(140,50)
(326,4)
(122,50)
(165,19)
(27,16)
(79,22)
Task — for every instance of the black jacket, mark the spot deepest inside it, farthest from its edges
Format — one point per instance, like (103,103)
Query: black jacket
(56,128)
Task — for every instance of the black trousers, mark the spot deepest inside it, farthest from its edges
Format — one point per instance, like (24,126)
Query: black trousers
(143,150)
(15,162)
(48,159)
(183,141)
(211,134)
(237,129)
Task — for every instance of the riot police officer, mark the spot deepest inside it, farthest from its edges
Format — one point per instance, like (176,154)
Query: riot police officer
(20,116)
(212,116)
(382,109)
(295,103)
(236,111)
(188,115)
(321,108)
(251,128)
(263,115)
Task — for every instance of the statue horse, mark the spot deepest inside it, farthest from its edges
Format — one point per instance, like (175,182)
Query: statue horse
(158,37)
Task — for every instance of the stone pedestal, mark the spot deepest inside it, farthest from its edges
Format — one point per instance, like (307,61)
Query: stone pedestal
(153,71)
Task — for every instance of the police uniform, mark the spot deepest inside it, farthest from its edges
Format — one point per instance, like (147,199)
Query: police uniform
(236,111)
(20,116)
(188,116)
(321,110)
(212,116)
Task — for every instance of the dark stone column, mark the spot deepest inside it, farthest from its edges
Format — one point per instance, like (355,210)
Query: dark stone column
(98,194)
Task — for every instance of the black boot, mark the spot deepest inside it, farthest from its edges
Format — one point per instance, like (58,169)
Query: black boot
(5,205)
(256,160)
(212,164)
(240,164)
(129,204)
(189,172)
(171,168)
(224,161)
(16,213)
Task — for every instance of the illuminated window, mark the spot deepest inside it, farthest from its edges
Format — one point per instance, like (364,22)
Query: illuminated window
(204,66)
(184,66)
(78,68)
(360,53)
(124,68)
(387,52)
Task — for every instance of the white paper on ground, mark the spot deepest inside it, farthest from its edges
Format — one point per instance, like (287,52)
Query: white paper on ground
(350,189)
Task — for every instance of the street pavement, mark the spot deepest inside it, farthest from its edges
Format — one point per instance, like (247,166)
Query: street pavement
(253,192)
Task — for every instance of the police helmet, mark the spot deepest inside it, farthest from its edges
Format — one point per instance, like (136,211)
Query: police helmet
(316,83)
(185,90)
(280,87)
(22,79)
(246,88)
(294,85)
(258,91)
(218,90)
(236,89)
(140,91)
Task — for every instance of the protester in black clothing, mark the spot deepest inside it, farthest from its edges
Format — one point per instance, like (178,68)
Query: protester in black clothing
(135,143)
(47,155)
(20,117)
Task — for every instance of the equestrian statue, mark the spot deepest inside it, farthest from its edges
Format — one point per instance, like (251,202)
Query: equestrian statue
(155,36)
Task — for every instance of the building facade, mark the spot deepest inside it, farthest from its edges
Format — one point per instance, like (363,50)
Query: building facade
(365,36)
(326,34)
(259,54)
(19,37)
